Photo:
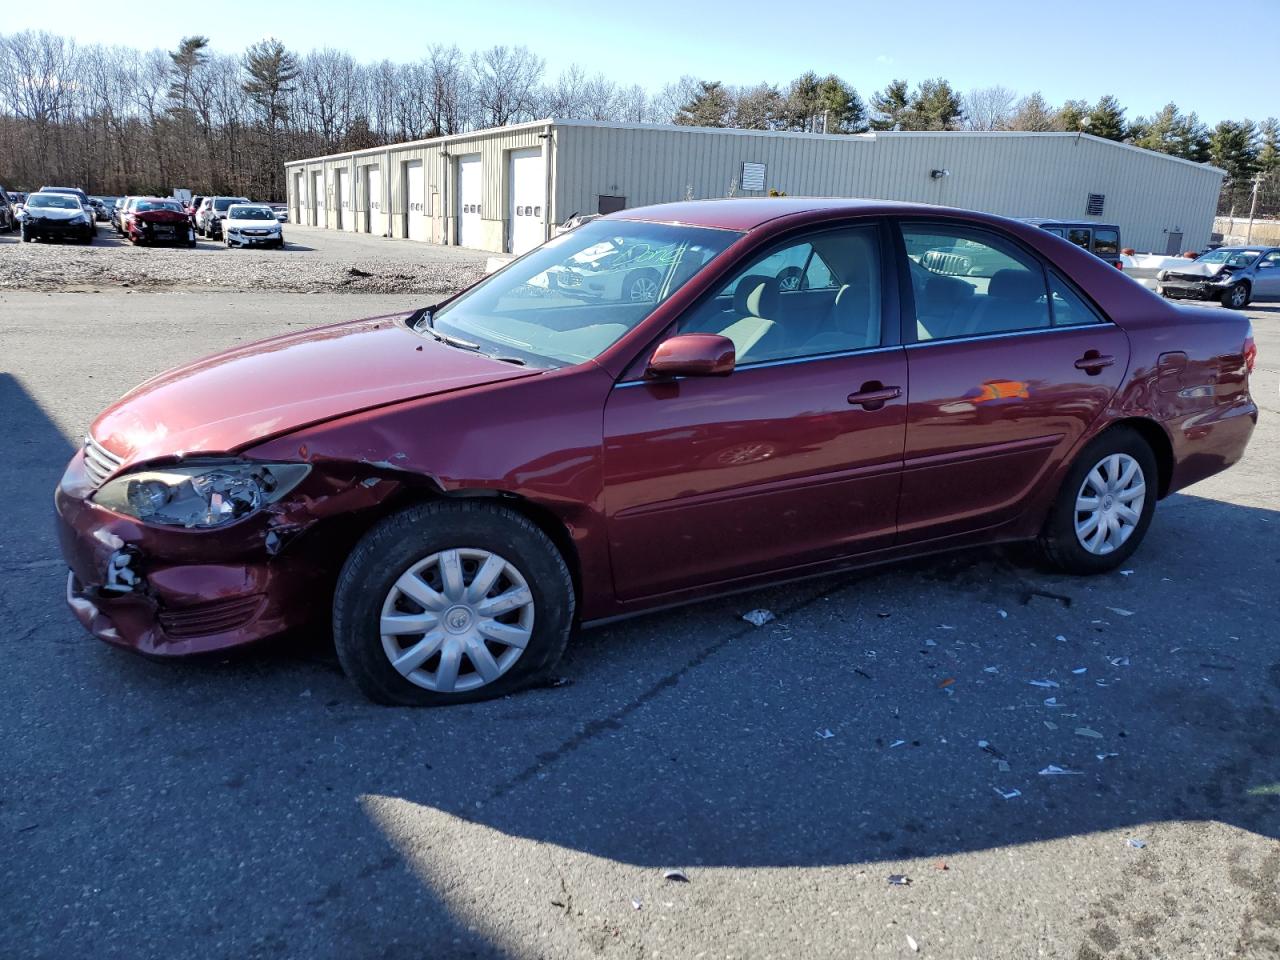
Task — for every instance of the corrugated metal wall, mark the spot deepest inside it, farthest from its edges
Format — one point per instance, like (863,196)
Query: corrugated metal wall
(1028,175)
(1034,175)
(441,181)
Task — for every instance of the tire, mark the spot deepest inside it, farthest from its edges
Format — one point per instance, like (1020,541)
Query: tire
(641,287)
(26,237)
(1060,545)
(422,537)
(792,278)
(1237,298)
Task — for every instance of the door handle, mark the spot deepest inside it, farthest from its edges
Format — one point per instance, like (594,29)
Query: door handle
(873,395)
(1092,362)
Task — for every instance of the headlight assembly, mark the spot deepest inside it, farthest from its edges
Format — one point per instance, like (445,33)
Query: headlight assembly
(200,495)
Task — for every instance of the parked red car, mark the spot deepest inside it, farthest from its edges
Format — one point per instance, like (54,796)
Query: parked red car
(460,485)
(152,220)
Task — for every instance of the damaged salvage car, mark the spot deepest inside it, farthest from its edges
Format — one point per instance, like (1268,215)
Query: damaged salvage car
(1234,276)
(452,491)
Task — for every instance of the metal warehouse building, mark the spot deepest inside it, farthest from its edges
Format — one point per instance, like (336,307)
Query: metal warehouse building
(503,189)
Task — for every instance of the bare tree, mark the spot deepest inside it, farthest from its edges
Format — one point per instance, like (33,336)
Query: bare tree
(505,83)
(989,108)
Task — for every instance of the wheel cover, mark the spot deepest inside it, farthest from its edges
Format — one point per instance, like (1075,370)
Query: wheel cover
(457,620)
(644,289)
(1238,296)
(788,283)
(1109,503)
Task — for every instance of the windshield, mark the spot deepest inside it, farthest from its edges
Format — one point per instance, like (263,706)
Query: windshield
(250,213)
(1232,258)
(575,296)
(222,203)
(57,201)
(158,205)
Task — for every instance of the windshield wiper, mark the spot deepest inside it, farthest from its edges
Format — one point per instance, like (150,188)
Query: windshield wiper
(516,360)
(420,322)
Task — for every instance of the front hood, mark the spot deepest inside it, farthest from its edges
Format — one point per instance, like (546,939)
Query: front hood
(234,399)
(52,213)
(1198,269)
(161,216)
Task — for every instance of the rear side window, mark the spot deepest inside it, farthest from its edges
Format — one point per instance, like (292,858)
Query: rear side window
(1068,307)
(1080,236)
(1106,242)
(969,283)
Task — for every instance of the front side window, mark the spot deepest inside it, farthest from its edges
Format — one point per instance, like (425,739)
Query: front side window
(970,283)
(807,297)
(576,295)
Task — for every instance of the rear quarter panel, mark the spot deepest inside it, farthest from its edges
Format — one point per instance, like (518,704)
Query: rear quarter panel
(1188,373)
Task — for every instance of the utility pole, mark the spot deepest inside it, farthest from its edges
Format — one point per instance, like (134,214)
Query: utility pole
(1253,206)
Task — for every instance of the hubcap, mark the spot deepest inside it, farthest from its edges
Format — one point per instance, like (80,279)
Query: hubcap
(457,620)
(1109,503)
(644,289)
(791,282)
(1237,296)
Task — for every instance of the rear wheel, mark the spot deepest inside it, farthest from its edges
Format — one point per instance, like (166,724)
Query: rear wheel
(450,602)
(1237,298)
(1105,505)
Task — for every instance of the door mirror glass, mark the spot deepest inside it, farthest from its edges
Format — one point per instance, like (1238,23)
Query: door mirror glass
(692,355)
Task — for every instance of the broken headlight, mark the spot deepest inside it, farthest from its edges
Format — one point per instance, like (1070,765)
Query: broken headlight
(200,495)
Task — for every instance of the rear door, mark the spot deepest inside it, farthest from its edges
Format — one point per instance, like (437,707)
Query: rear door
(1010,364)
(793,458)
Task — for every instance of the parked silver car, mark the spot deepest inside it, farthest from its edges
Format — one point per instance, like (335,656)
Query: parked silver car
(213,210)
(1236,276)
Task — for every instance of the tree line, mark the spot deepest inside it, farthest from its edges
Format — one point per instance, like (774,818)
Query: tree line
(116,119)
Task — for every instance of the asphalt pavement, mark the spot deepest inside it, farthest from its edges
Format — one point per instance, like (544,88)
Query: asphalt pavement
(255,806)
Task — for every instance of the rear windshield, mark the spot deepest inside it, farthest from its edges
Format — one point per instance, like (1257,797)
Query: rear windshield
(240,212)
(57,201)
(221,203)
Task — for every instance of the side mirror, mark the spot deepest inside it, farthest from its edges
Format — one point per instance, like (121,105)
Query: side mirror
(692,355)
(1267,263)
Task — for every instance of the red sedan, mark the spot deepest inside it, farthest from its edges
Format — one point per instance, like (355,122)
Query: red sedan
(454,489)
(157,221)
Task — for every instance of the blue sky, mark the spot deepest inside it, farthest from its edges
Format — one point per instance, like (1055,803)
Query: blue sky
(1145,54)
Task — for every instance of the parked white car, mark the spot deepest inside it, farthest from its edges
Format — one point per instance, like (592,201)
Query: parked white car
(252,225)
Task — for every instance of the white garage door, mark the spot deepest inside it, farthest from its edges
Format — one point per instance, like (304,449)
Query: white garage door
(417,206)
(317,198)
(470,192)
(300,197)
(377,218)
(341,201)
(528,192)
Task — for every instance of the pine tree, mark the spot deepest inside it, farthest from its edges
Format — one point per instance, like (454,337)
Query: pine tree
(890,105)
(711,106)
(1033,113)
(935,106)
(842,108)
(191,55)
(1072,114)
(1269,152)
(1106,119)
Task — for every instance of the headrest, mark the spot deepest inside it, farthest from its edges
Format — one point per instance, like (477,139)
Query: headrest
(945,291)
(1016,285)
(756,296)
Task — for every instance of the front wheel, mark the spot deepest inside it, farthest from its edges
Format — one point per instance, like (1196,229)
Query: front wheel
(451,602)
(1105,505)
(1237,298)
(26,236)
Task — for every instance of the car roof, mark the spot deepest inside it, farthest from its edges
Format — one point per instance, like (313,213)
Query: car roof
(1054,222)
(748,213)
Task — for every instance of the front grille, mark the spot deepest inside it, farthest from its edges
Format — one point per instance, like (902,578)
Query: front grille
(217,616)
(949,264)
(99,462)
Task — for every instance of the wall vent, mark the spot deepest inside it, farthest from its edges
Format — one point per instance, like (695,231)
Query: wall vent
(753,176)
(1094,207)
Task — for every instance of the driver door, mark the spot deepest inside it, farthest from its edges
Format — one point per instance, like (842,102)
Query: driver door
(788,461)
(1266,285)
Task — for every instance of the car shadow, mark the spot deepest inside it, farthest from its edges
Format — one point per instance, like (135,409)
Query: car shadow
(913,711)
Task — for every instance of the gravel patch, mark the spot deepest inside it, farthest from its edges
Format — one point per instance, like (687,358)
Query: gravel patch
(313,261)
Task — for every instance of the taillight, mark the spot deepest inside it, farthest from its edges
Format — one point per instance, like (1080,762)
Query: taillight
(1250,351)
(1119,264)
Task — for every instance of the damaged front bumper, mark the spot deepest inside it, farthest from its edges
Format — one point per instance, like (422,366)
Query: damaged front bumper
(170,591)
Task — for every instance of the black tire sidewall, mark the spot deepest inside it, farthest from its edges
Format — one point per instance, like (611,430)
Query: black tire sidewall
(1229,294)
(1059,542)
(402,540)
